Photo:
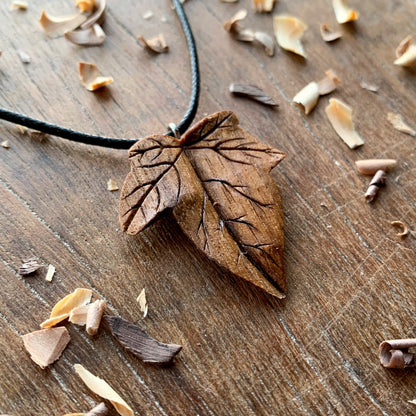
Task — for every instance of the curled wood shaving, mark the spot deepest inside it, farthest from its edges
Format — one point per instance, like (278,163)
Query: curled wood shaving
(233,25)
(141,299)
(94,315)
(398,123)
(30,266)
(147,15)
(18,5)
(57,26)
(406,52)
(340,116)
(97,16)
(86,6)
(5,144)
(308,96)
(78,315)
(140,343)
(93,36)
(403,226)
(50,273)
(112,186)
(328,35)
(46,346)
(343,13)
(289,31)
(371,166)
(104,390)
(253,92)
(395,353)
(24,57)
(38,136)
(63,308)
(266,40)
(379,180)
(91,78)
(157,44)
(263,6)
(369,87)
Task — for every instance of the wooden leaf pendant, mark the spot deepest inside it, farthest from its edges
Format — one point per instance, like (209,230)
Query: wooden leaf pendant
(216,182)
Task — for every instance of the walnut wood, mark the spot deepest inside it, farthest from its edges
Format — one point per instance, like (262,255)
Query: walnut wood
(350,280)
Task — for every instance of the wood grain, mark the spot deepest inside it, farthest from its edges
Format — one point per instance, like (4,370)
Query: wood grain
(350,280)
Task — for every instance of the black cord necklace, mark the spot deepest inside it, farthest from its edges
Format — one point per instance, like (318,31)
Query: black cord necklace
(76,136)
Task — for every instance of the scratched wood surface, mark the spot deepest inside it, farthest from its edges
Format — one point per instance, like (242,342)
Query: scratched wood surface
(350,279)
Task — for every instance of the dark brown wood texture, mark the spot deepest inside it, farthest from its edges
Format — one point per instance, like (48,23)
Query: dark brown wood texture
(350,280)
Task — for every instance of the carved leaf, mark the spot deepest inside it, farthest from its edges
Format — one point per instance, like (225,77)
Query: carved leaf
(216,181)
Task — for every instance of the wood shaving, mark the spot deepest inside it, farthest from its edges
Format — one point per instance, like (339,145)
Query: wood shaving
(18,5)
(263,6)
(57,26)
(395,353)
(147,15)
(112,186)
(308,96)
(378,181)
(99,410)
(86,6)
(29,266)
(63,308)
(50,273)
(233,25)
(398,123)
(340,116)
(406,52)
(266,40)
(369,87)
(328,35)
(78,315)
(94,315)
(289,31)
(104,390)
(46,346)
(38,136)
(343,13)
(141,299)
(228,1)
(157,44)
(253,92)
(24,57)
(93,36)
(371,166)
(91,78)
(403,226)
(97,16)
(5,144)
(140,343)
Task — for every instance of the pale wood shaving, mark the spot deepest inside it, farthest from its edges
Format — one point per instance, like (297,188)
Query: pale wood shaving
(398,123)
(63,308)
(289,31)
(403,226)
(94,315)
(97,16)
(329,83)
(78,315)
(92,36)
(91,78)
(147,15)
(406,52)
(371,166)
(46,346)
(57,26)
(378,181)
(253,92)
(18,5)
(369,87)
(263,6)
(340,116)
(24,57)
(112,186)
(30,266)
(141,299)
(50,273)
(86,6)
(266,40)
(38,136)
(157,44)
(233,25)
(104,390)
(328,35)
(343,13)
(5,144)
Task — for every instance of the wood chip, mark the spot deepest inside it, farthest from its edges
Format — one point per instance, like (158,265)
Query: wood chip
(395,353)
(93,36)
(403,226)
(233,25)
(50,273)
(329,83)
(111,185)
(104,390)
(157,44)
(24,57)
(140,343)
(398,123)
(30,266)
(94,315)
(57,26)
(78,315)
(147,15)
(340,116)
(141,299)
(263,6)
(406,52)
(343,13)
(289,31)
(86,6)
(378,181)
(5,144)
(266,40)
(328,35)
(63,308)
(253,92)
(38,136)
(91,78)
(371,166)
(18,5)
(369,87)
(46,346)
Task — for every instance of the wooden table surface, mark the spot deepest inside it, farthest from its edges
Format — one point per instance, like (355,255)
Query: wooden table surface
(351,280)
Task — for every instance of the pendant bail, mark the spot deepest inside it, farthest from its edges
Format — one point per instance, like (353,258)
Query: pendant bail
(174,129)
